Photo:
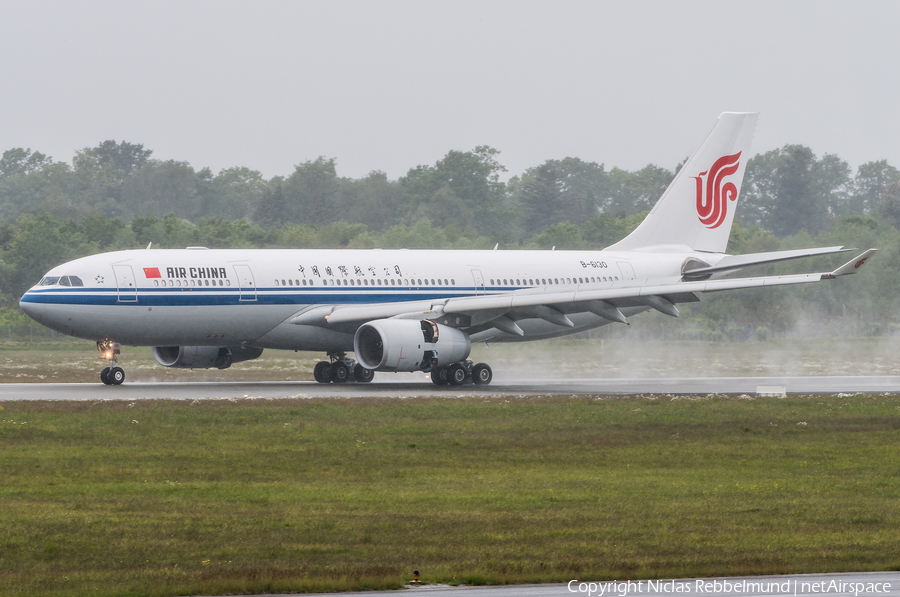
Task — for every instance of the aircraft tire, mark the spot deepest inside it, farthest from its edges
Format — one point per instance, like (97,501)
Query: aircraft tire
(440,376)
(482,374)
(457,374)
(116,376)
(104,376)
(340,373)
(322,372)
(363,375)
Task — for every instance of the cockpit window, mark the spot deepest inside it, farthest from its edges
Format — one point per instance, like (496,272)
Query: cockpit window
(62,281)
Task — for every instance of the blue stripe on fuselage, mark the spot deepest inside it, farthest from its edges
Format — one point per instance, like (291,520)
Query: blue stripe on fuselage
(198,297)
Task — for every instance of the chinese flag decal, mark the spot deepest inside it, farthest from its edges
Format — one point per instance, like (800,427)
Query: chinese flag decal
(151,272)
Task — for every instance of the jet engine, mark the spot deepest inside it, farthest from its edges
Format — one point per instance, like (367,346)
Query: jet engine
(409,345)
(203,357)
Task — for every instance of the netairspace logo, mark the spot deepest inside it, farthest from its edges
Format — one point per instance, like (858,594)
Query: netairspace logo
(628,588)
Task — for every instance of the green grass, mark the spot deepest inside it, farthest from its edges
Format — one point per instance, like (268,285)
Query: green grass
(177,498)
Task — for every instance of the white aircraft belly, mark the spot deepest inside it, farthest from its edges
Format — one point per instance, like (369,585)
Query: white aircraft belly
(140,325)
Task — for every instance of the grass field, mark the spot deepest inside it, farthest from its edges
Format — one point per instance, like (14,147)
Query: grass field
(179,497)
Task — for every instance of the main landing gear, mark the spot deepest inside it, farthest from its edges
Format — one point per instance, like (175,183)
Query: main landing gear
(341,369)
(461,373)
(112,375)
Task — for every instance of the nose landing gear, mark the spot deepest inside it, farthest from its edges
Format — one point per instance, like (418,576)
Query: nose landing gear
(112,375)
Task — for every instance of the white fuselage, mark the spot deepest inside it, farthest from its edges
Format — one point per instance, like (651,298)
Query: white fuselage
(203,297)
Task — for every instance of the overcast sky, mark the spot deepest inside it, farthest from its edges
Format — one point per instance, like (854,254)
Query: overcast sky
(390,85)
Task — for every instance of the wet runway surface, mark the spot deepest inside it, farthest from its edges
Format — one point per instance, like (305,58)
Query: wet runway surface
(536,387)
(850,584)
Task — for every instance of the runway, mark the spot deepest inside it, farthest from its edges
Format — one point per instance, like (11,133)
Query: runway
(535,387)
(850,584)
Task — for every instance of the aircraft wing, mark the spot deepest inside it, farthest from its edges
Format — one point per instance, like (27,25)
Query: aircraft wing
(501,310)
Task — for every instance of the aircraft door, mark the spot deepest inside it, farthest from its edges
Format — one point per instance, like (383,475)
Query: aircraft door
(479,281)
(125,283)
(246,282)
(627,271)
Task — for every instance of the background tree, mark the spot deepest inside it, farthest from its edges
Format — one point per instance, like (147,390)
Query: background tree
(272,209)
(873,180)
(473,177)
(233,194)
(312,193)
(162,188)
(540,198)
(373,200)
(787,190)
(634,192)
(100,174)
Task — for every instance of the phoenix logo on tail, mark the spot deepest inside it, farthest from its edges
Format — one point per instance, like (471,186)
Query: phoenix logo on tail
(712,208)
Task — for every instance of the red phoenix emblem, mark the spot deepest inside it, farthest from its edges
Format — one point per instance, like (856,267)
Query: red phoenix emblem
(712,207)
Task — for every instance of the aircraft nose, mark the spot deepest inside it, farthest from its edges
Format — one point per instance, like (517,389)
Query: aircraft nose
(31,307)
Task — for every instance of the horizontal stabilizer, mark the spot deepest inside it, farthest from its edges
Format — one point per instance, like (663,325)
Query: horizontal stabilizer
(732,263)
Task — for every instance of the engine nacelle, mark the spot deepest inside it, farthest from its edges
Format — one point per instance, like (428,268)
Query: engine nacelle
(408,345)
(203,357)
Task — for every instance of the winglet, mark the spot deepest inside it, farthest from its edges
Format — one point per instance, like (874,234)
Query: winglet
(852,266)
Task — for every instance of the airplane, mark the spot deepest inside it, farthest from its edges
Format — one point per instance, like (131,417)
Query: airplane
(414,310)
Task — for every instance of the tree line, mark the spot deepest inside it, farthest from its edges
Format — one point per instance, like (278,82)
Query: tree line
(116,196)
(785,191)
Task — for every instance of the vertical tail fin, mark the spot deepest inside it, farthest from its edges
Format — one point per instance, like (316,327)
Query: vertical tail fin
(697,208)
